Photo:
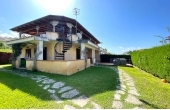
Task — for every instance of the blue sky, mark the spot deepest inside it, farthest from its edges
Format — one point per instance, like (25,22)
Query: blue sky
(120,24)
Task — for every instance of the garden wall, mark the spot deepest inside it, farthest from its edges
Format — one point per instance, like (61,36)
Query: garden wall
(154,60)
(59,66)
(5,58)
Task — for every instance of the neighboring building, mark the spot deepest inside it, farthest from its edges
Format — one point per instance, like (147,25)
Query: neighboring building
(61,50)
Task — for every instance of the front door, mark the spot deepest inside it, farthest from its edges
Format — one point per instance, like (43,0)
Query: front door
(77,53)
(45,53)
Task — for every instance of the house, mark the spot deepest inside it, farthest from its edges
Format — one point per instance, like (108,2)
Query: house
(61,47)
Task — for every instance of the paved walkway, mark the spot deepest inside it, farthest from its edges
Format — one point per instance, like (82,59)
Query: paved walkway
(126,86)
(127,89)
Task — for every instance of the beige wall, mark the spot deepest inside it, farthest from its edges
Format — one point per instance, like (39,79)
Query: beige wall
(59,67)
(89,53)
(50,50)
(71,54)
(97,56)
(24,51)
(17,64)
(52,35)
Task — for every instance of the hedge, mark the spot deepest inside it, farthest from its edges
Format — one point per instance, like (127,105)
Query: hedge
(107,57)
(5,58)
(155,60)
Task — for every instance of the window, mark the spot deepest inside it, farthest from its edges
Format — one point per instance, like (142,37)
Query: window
(28,53)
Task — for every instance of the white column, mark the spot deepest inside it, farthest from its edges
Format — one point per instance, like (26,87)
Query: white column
(20,33)
(40,50)
(70,33)
(93,55)
(54,23)
(37,28)
(83,51)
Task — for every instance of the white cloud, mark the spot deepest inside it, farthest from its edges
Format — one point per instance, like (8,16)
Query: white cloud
(129,48)
(2,19)
(11,34)
(120,47)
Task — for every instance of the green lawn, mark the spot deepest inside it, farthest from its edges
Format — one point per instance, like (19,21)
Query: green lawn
(153,93)
(6,50)
(98,83)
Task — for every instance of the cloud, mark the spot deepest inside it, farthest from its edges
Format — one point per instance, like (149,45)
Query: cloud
(11,34)
(129,48)
(120,47)
(2,19)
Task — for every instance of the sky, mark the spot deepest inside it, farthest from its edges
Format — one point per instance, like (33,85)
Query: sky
(121,25)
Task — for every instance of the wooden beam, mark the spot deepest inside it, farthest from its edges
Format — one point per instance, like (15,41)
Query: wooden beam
(33,27)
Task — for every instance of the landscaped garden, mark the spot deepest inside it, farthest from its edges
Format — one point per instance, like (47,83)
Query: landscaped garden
(26,89)
(98,83)
(153,92)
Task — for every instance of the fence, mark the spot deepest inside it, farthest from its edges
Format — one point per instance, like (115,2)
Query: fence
(115,58)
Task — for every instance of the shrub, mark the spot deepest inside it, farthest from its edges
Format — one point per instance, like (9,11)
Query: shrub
(5,57)
(155,60)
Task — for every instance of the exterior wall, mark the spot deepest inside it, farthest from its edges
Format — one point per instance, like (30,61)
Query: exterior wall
(50,50)
(97,55)
(71,54)
(24,51)
(59,67)
(89,53)
(52,35)
(17,64)
(74,37)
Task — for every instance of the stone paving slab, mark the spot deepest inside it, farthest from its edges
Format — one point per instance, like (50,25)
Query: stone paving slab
(70,94)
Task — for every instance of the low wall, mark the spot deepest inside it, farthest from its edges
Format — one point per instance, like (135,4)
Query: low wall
(59,67)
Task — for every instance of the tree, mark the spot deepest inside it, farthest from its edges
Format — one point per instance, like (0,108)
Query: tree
(2,45)
(164,39)
(110,53)
(128,52)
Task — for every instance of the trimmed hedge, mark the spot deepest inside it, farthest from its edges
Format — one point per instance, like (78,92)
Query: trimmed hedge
(107,57)
(155,60)
(5,58)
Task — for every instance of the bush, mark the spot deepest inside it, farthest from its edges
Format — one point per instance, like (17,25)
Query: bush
(155,60)
(5,58)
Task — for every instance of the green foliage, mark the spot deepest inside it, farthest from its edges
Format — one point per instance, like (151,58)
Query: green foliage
(154,60)
(6,50)
(16,49)
(2,45)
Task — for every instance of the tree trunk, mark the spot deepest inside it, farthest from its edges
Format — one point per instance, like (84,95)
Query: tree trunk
(13,64)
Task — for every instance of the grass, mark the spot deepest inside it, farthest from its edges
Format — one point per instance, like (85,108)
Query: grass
(6,50)
(22,92)
(98,83)
(153,92)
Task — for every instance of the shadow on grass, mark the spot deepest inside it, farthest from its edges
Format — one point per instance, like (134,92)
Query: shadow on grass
(24,84)
(91,81)
(147,103)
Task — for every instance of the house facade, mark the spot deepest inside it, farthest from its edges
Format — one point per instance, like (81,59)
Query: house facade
(59,45)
